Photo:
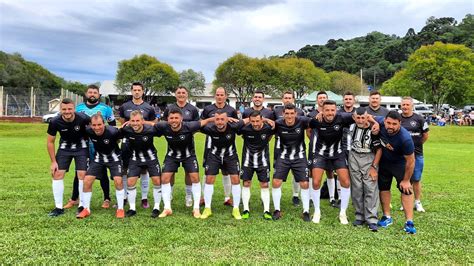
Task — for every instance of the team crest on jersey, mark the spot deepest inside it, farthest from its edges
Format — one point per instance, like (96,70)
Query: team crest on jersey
(264,136)
(181,137)
(186,112)
(413,123)
(337,127)
(145,138)
(106,141)
(77,128)
(228,136)
(366,137)
(298,130)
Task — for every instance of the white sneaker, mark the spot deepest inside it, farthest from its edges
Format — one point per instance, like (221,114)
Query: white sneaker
(343,218)
(419,207)
(401,208)
(316,217)
(189,200)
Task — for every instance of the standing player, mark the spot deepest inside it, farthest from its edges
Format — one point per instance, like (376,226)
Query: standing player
(398,160)
(179,136)
(418,129)
(258,99)
(71,126)
(106,155)
(222,155)
(209,111)
(91,107)
(288,98)
(374,107)
(255,158)
(189,113)
(149,116)
(143,158)
(292,156)
(329,155)
(364,156)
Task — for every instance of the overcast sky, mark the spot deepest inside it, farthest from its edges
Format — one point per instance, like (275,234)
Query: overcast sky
(84,40)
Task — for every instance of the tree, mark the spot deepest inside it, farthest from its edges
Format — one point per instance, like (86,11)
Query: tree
(342,81)
(157,77)
(440,73)
(194,81)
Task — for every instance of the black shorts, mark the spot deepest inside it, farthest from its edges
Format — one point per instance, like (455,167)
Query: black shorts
(171,165)
(136,167)
(263,173)
(329,164)
(228,165)
(299,168)
(64,159)
(126,154)
(97,169)
(386,172)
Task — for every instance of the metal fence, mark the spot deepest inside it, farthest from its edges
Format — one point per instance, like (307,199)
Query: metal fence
(31,102)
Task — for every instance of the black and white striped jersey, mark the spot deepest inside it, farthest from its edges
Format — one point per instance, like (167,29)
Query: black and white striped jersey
(313,138)
(278,114)
(180,143)
(106,148)
(190,112)
(73,134)
(266,113)
(222,144)
(361,140)
(291,139)
(141,144)
(329,142)
(255,152)
(345,136)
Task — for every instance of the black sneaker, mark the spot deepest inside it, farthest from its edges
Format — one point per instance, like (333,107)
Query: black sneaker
(276,215)
(296,201)
(79,210)
(130,213)
(373,227)
(306,217)
(56,212)
(155,213)
(358,223)
(335,203)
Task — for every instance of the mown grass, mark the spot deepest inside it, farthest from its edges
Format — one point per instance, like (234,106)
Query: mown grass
(445,231)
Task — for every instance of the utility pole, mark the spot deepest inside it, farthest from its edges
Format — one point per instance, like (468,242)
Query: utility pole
(361,82)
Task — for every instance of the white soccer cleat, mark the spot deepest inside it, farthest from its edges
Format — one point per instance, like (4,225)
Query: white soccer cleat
(343,218)
(419,207)
(316,217)
(401,208)
(189,200)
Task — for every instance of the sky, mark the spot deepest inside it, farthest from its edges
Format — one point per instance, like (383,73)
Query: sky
(84,40)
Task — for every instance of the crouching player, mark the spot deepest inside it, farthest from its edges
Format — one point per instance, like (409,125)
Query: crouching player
(364,157)
(106,155)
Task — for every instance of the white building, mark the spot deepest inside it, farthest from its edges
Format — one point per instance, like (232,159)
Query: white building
(389,102)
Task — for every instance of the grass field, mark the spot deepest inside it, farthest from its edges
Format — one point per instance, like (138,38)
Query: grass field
(28,235)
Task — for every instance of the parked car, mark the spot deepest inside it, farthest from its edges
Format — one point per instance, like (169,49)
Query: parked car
(468,108)
(47,118)
(422,110)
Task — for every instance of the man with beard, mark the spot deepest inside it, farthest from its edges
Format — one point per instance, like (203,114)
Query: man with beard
(258,99)
(149,116)
(71,126)
(91,107)
(374,108)
(189,113)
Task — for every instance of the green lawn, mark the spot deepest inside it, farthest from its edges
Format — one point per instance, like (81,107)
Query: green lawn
(28,235)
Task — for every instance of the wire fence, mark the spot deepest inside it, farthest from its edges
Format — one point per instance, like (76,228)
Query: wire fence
(32,102)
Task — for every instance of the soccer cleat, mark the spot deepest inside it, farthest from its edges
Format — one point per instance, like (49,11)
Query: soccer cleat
(401,208)
(236,213)
(267,216)
(145,204)
(343,218)
(296,201)
(245,215)
(316,217)
(189,201)
(276,215)
(373,227)
(83,214)
(166,212)
(70,203)
(306,217)
(419,207)
(120,213)
(196,213)
(79,210)
(206,213)
(155,213)
(56,212)
(131,213)
(335,203)
(228,202)
(385,221)
(410,227)
(358,223)
(106,204)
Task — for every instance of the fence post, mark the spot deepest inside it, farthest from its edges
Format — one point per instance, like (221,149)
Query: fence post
(34,104)
(1,101)
(6,106)
(31,102)
(62,94)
